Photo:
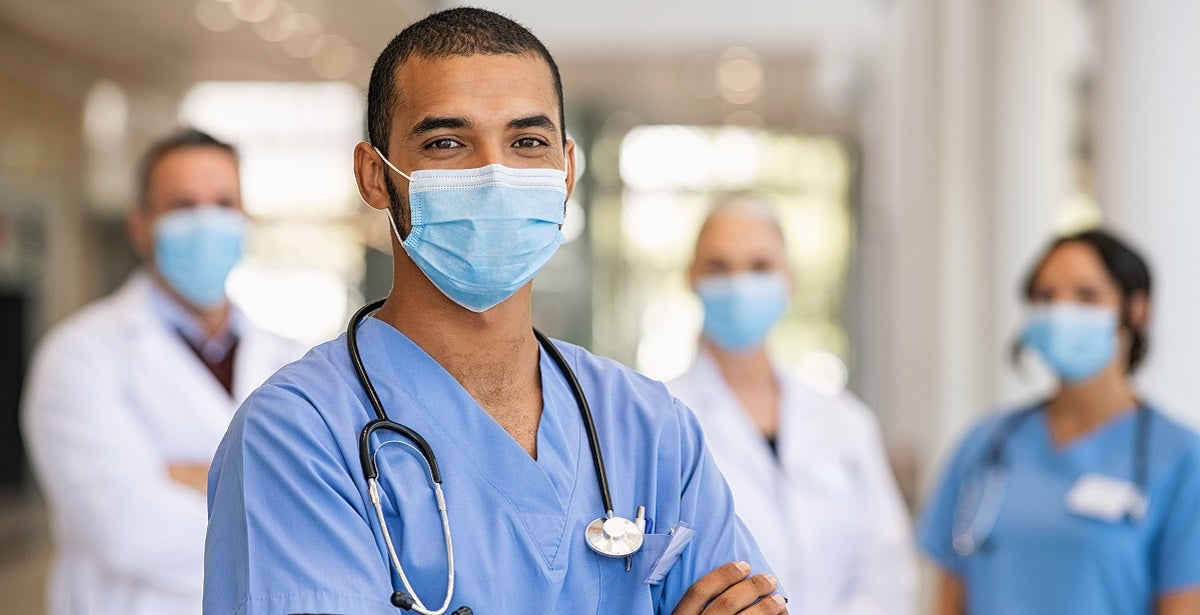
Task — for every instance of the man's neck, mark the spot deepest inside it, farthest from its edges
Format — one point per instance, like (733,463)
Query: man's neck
(214,320)
(493,355)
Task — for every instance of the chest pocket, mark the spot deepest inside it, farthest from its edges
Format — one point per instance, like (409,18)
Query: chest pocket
(626,592)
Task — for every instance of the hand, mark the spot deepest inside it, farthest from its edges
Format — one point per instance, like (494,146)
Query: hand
(729,589)
(194,475)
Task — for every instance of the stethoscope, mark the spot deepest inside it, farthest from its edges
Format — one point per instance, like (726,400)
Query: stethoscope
(971,531)
(610,536)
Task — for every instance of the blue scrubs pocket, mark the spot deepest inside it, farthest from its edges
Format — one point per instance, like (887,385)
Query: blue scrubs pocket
(629,589)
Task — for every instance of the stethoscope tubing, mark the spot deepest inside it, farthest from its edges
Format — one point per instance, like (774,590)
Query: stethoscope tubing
(995,456)
(382,422)
(586,412)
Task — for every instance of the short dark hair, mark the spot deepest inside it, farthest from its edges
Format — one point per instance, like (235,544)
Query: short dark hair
(1125,267)
(187,138)
(462,31)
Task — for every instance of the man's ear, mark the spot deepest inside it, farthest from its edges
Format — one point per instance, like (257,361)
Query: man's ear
(569,153)
(371,176)
(141,235)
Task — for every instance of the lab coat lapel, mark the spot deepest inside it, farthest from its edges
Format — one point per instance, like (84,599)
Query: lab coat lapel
(423,395)
(736,425)
(182,404)
(259,354)
(813,448)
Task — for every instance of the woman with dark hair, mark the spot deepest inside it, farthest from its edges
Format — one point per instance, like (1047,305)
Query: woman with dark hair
(1088,502)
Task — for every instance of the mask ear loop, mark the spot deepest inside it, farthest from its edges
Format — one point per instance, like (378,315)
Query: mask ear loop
(390,165)
(391,218)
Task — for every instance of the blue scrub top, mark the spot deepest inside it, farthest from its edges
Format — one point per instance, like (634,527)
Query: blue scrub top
(1041,557)
(292,530)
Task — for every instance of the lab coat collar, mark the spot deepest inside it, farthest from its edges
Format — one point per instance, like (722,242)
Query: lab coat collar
(212,347)
(158,338)
(707,377)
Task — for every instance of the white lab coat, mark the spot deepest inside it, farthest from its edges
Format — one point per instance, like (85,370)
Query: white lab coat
(113,397)
(827,514)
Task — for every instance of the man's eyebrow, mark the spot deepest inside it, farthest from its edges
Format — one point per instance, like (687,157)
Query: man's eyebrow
(532,121)
(432,123)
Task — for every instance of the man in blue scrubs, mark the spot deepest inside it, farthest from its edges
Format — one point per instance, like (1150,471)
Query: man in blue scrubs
(469,155)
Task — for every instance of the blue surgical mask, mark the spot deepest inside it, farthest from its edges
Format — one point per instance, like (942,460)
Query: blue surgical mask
(1076,341)
(196,248)
(481,234)
(740,309)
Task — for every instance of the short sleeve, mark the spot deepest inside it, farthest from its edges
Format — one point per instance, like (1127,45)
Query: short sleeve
(707,503)
(1178,561)
(288,529)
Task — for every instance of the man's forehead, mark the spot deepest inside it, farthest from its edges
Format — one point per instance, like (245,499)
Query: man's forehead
(194,168)
(424,83)
(195,160)
(418,61)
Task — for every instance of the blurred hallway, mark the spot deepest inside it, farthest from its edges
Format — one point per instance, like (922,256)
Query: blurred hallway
(24,553)
(922,152)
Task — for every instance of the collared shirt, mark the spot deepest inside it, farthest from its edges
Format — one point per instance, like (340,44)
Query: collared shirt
(211,348)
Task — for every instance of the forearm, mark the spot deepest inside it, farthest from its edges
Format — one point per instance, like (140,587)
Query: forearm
(1185,602)
(106,484)
(951,596)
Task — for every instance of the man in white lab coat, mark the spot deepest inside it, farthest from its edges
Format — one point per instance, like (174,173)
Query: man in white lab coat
(127,399)
(807,470)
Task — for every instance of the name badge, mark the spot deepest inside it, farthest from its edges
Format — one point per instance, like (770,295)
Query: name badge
(1106,498)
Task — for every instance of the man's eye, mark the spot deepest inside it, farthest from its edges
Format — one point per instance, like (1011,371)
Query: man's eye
(529,142)
(444,144)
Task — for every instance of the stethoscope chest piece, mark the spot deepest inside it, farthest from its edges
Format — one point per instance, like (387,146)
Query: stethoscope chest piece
(614,536)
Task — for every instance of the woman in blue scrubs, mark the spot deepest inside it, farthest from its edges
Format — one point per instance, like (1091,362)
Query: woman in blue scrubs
(1088,502)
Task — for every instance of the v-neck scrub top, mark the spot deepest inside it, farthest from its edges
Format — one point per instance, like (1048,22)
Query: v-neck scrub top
(1043,558)
(292,529)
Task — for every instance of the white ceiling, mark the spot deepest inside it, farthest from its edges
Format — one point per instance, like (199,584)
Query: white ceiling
(605,28)
(604,46)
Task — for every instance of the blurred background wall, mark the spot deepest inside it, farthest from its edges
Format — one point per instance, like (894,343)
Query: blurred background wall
(921,153)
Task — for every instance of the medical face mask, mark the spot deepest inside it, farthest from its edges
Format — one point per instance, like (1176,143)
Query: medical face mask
(1077,341)
(196,248)
(481,234)
(740,309)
